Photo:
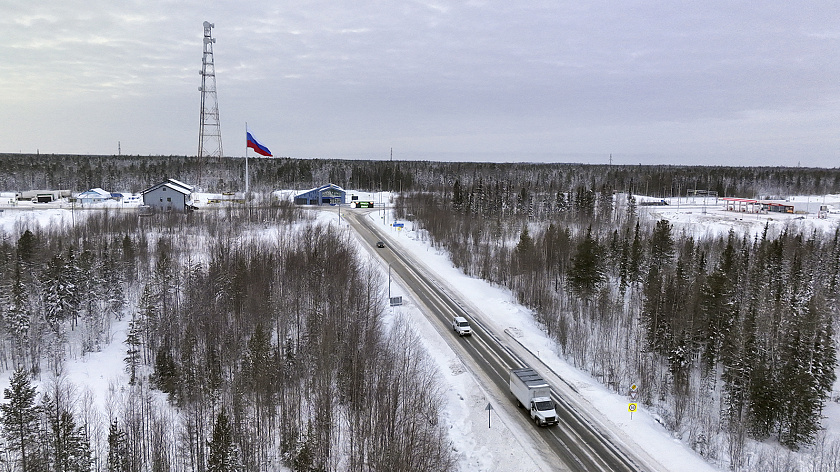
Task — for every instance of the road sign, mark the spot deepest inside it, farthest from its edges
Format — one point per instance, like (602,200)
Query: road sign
(633,387)
(396,301)
(631,407)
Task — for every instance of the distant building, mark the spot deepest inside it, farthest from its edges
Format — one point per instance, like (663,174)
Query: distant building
(329,194)
(94,195)
(171,195)
(8,198)
(128,198)
(44,196)
(749,205)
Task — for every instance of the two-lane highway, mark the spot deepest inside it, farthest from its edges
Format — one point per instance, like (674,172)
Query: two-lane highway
(580,444)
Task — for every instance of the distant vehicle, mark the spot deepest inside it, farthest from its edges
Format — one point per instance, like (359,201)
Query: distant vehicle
(145,210)
(461,326)
(530,389)
(380,244)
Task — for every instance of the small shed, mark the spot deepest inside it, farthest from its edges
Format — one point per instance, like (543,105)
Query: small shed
(94,195)
(329,194)
(171,195)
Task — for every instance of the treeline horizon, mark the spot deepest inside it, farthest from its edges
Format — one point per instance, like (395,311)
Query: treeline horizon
(135,173)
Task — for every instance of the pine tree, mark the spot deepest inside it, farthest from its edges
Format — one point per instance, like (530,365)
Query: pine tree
(54,310)
(561,204)
(526,253)
(587,273)
(112,286)
(631,207)
(718,314)
(661,244)
(653,310)
(129,258)
(719,306)
(584,204)
(457,196)
(132,354)
(147,317)
(20,419)
(69,447)
(118,459)
(522,200)
(18,315)
(224,456)
(807,373)
(71,286)
(634,261)
(763,396)
(90,295)
(166,371)
(26,247)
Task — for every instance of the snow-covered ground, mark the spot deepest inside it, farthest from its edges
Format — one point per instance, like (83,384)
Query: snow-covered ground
(497,443)
(694,216)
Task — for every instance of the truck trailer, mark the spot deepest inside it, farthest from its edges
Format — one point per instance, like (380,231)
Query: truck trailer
(534,393)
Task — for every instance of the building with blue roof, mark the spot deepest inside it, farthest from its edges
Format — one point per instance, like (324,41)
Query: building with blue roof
(329,194)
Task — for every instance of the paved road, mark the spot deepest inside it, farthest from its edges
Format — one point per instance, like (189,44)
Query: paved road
(577,442)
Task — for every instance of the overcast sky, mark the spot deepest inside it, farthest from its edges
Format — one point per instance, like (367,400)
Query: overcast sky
(699,82)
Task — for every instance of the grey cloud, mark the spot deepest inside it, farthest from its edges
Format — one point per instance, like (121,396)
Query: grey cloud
(334,79)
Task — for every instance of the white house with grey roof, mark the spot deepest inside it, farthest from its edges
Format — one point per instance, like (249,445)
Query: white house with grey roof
(171,195)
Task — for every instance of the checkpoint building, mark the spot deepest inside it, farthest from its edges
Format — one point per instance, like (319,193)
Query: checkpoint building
(329,194)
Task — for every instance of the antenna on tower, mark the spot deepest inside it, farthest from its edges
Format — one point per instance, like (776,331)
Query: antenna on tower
(210,131)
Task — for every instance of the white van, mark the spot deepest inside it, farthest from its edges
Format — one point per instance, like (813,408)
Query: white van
(461,326)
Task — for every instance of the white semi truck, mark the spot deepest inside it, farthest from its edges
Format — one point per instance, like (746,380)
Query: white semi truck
(534,393)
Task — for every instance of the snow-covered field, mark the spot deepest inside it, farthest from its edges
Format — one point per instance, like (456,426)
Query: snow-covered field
(497,443)
(694,216)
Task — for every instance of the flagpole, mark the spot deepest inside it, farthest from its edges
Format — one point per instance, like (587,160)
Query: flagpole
(246,162)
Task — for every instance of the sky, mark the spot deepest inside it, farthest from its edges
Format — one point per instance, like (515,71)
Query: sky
(650,82)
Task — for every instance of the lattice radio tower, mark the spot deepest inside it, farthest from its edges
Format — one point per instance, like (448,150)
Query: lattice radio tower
(210,131)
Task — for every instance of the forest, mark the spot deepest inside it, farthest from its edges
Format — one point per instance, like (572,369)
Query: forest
(732,336)
(250,346)
(255,340)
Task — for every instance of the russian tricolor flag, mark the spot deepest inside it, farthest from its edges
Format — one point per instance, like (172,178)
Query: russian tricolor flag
(256,146)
